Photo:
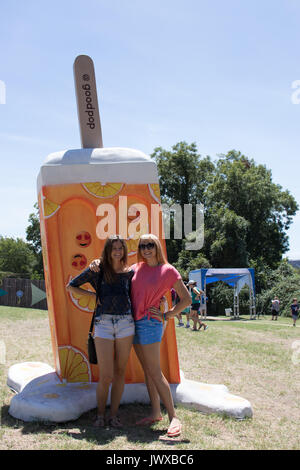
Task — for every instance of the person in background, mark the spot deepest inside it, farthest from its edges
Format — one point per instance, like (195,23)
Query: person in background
(196,299)
(175,301)
(275,308)
(295,311)
(203,306)
(186,312)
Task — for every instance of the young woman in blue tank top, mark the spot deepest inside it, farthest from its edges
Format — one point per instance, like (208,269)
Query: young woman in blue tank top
(195,307)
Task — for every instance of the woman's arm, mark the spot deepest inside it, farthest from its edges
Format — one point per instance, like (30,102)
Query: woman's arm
(185,301)
(84,277)
(79,290)
(198,291)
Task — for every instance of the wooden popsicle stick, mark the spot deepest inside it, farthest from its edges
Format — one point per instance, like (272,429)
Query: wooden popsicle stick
(87,102)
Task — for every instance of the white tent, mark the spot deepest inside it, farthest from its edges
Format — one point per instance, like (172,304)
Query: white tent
(235,277)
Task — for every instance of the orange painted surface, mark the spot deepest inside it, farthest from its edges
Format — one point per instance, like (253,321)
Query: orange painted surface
(69,244)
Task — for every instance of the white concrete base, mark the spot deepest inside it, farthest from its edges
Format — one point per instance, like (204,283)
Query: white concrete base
(42,397)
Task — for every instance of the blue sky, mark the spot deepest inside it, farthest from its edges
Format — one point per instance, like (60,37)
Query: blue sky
(216,73)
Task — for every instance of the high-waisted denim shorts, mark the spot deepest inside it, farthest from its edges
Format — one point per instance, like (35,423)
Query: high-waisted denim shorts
(114,326)
(148,331)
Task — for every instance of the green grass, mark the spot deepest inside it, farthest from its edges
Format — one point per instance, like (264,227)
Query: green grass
(252,358)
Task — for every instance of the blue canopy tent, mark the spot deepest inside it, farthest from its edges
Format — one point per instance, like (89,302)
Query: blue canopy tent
(235,277)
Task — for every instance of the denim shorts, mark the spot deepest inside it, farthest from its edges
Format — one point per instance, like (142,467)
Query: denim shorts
(148,331)
(114,326)
(195,307)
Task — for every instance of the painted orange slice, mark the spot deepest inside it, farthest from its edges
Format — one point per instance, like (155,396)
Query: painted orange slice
(74,365)
(83,301)
(132,246)
(155,191)
(49,207)
(106,190)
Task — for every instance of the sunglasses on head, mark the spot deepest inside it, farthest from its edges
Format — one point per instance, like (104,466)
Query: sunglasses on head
(147,246)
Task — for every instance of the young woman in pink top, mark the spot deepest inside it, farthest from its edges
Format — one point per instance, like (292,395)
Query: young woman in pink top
(152,278)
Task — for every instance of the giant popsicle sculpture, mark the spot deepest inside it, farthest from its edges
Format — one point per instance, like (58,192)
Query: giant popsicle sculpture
(85,195)
(78,191)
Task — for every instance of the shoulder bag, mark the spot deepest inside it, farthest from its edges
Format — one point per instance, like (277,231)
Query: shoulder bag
(92,355)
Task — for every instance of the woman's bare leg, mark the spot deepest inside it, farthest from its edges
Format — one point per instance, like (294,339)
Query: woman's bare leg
(122,351)
(194,317)
(151,365)
(152,391)
(105,357)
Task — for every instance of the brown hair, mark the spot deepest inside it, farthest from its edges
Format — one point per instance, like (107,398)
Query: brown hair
(159,252)
(105,258)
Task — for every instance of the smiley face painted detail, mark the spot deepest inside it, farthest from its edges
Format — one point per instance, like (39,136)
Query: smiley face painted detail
(79,261)
(83,239)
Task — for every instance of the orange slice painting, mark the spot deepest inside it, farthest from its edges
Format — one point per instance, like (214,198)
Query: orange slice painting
(132,246)
(101,190)
(74,365)
(49,208)
(155,191)
(83,301)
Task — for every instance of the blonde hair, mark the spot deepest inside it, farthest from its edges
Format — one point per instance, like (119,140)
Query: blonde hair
(159,252)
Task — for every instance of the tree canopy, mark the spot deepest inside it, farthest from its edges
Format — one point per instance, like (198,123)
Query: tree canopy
(16,257)
(247,215)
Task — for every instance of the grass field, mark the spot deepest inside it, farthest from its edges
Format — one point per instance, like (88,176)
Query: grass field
(254,359)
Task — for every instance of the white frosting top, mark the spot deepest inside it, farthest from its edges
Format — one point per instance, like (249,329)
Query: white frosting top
(112,164)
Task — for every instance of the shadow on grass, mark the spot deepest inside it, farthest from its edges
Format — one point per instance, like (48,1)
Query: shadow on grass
(82,428)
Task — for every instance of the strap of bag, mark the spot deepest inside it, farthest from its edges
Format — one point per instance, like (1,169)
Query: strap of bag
(99,281)
(92,322)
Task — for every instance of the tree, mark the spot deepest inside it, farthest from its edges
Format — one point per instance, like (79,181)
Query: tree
(246,215)
(183,174)
(226,238)
(247,189)
(16,256)
(33,236)
(183,177)
(187,261)
(283,282)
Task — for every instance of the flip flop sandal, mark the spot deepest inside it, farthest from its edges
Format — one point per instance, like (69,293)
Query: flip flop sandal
(174,430)
(147,421)
(99,422)
(114,422)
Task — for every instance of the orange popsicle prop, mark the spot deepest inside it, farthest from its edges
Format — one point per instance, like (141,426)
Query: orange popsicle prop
(74,189)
